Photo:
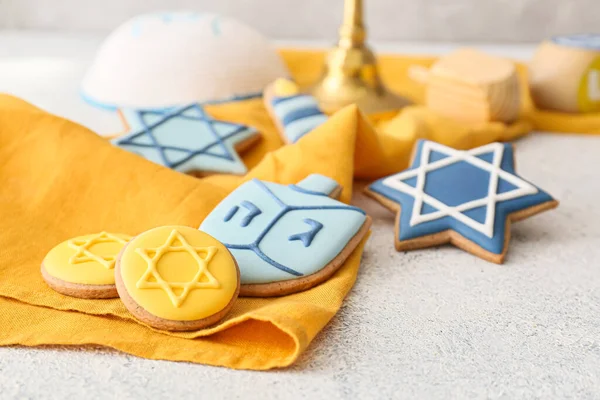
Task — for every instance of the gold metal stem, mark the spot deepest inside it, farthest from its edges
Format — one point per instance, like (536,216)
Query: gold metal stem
(350,72)
(352,31)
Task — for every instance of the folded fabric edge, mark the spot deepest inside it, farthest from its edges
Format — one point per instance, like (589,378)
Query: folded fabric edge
(261,356)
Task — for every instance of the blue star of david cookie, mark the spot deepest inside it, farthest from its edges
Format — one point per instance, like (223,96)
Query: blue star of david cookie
(186,139)
(467,198)
(286,238)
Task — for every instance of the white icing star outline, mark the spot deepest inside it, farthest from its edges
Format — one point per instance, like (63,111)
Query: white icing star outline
(523,188)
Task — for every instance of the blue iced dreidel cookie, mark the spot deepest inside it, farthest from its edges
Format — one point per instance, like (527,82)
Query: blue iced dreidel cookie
(294,113)
(467,198)
(286,238)
(186,139)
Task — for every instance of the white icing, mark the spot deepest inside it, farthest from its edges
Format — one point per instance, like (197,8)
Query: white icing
(523,188)
(594,85)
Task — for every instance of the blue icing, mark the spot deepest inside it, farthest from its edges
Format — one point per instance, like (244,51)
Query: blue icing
(487,157)
(296,233)
(436,156)
(184,139)
(168,18)
(316,184)
(297,129)
(307,237)
(457,191)
(477,184)
(411,181)
(253,212)
(230,213)
(253,269)
(478,214)
(298,115)
(428,209)
(584,40)
(283,105)
(504,186)
(301,113)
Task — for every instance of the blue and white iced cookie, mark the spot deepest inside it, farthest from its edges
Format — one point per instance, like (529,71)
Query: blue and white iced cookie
(186,139)
(286,238)
(467,198)
(294,113)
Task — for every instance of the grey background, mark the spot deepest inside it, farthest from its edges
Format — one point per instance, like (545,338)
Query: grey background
(388,20)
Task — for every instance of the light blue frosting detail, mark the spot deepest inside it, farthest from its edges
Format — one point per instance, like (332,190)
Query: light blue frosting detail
(317,183)
(300,127)
(290,104)
(186,139)
(340,223)
(584,40)
(298,114)
(173,18)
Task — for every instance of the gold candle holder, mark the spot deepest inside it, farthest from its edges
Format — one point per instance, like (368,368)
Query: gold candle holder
(350,73)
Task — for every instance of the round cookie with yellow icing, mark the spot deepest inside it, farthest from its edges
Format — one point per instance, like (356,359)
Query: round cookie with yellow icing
(84,266)
(177,278)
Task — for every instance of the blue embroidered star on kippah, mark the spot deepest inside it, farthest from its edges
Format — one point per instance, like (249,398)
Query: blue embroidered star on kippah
(185,139)
(467,198)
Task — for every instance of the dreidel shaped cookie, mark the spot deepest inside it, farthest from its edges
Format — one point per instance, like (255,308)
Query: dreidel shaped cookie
(564,74)
(286,238)
(294,113)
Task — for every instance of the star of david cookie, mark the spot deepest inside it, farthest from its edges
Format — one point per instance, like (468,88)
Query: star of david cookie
(186,139)
(467,198)
(295,114)
(177,278)
(286,238)
(84,266)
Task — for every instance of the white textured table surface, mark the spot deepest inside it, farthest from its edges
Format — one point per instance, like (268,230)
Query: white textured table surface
(428,324)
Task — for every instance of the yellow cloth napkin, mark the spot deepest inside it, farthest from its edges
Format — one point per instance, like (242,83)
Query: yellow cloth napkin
(554,121)
(60,180)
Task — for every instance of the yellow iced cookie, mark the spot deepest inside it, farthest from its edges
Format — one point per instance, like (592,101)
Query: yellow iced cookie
(84,266)
(177,278)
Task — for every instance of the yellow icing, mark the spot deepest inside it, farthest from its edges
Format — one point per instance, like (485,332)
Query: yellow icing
(87,260)
(285,87)
(179,273)
(166,284)
(588,94)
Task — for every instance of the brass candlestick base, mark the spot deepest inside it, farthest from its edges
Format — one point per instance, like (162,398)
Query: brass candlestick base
(351,74)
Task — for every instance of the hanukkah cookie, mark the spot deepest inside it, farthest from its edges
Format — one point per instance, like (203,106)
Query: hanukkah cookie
(84,266)
(286,238)
(295,114)
(177,278)
(171,59)
(186,139)
(564,74)
(467,198)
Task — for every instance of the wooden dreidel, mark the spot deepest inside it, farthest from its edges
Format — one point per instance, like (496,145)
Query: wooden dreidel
(564,74)
(471,86)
